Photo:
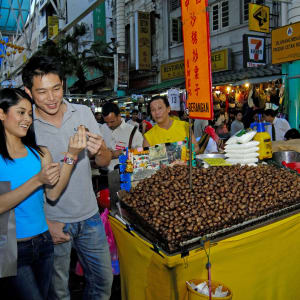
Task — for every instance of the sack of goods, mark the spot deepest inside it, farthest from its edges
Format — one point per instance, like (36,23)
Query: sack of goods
(240,149)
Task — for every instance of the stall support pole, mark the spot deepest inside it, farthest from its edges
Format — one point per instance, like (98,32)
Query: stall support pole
(190,153)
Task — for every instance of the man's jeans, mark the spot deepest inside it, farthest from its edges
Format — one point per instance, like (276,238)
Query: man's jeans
(89,239)
(35,265)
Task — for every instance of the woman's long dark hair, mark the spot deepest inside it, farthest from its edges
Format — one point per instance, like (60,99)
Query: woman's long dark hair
(10,97)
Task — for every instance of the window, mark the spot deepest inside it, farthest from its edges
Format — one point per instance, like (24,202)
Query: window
(176,30)
(174,4)
(246,10)
(220,15)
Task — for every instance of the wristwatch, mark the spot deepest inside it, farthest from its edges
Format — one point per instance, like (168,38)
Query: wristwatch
(69,160)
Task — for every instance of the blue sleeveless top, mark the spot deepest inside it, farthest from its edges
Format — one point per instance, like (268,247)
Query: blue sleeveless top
(30,216)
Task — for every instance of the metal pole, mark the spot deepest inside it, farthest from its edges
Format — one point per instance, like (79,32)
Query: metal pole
(190,153)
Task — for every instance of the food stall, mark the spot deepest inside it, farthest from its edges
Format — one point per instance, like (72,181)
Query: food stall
(249,214)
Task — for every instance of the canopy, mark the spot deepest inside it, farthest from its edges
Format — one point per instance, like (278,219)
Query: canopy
(12,13)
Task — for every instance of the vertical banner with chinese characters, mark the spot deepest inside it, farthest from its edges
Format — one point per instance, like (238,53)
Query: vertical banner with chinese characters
(142,40)
(52,26)
(123,71)
(197,58)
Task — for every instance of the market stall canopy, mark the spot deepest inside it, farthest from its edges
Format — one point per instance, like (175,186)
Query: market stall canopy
(250,75)
(13,15)
(164,85)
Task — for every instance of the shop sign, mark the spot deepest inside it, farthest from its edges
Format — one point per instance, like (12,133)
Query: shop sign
(99,21)
(286,43)
(254,50)
(220,60)
(259,18)
(123,71)
(197,59)
(143,41)
(172,70)
(52,26)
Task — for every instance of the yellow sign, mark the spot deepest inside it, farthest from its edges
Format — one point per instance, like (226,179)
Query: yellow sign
(143,40)
(286,43)
(197,60)
(259,18)
(172,70)
(52,26)
(220,60)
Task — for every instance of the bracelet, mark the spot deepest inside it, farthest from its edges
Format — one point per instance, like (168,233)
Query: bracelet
(70,161)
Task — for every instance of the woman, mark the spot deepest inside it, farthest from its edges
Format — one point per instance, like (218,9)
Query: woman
(166,130)
(29,168)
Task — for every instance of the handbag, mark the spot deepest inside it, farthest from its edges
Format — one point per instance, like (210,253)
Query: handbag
(8,240)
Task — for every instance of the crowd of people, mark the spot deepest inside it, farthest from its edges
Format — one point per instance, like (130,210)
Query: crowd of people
(46,146)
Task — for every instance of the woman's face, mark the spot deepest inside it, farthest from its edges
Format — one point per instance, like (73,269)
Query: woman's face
(159,111)
(18,119)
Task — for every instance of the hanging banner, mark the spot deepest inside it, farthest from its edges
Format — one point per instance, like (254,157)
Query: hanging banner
(254,53)
(52,26)
(99,21)
(259,18)
(174,99)
(142,41)
(197,58)
(123,71)
(286,43)
(221,60)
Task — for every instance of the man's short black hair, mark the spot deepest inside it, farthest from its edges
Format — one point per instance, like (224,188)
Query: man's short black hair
(109,107)
(135,111)
(269,112)
(292,134)
(40,65)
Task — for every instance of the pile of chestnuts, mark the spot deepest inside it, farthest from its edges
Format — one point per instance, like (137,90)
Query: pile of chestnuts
(220,197)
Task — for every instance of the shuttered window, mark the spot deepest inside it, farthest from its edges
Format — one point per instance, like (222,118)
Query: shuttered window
(174,4)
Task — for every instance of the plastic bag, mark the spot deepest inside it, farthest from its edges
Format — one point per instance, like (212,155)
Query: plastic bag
(111,242)
(242,146)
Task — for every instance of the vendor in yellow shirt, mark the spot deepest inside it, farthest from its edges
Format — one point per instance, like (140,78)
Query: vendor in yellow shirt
(166,130)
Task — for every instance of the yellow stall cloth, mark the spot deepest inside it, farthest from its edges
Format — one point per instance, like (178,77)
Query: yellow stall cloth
(261,264)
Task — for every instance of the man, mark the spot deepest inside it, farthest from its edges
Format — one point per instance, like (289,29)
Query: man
(117,134)
(278,127)
(74,220)
(99,118)
(134,121)
(145,124)
(199,126)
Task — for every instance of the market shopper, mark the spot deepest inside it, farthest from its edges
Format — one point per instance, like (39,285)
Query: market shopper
(237,124)
(75,220)
(278,127)
(117,133)
(292,134)
(30,171)
(134,121)
(166,130)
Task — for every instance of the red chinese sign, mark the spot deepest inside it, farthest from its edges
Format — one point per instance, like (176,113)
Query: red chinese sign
(197,58)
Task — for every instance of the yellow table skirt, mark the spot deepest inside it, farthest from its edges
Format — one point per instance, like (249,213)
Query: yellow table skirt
(262,264)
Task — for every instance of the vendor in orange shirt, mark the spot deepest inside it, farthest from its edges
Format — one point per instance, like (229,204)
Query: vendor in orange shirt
(166,130)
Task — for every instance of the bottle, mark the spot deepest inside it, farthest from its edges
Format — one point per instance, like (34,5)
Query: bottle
(264,139)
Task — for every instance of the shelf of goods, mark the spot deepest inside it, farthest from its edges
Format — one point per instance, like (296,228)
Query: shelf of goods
(250,214)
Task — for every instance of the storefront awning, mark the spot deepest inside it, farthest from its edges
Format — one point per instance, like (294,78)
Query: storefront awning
(13,14)
(163,86)
(250,75)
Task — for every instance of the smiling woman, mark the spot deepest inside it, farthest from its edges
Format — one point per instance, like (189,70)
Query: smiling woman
(29,168)
(166,130)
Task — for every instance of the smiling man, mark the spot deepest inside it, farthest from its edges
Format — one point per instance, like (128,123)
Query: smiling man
(75,220)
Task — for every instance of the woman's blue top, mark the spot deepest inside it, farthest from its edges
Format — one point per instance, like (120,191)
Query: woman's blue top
(30,216)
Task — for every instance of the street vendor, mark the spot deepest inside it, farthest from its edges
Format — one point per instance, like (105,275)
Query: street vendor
(166,130)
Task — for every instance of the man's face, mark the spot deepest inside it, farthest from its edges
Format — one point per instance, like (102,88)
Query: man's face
(268,118)
(239,116)
(47,93)
(134,116)
(113,121)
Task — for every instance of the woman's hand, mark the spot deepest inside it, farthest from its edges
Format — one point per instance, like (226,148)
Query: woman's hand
(78,142)
(49,174)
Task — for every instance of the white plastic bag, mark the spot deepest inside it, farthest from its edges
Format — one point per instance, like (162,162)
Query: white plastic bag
(241,155)
(242,151)
(242,160)
(242,146)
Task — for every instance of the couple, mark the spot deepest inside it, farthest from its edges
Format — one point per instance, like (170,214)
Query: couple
(69,215)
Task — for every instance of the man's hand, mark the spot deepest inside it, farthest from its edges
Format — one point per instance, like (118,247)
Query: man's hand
(94,143)
(56,231)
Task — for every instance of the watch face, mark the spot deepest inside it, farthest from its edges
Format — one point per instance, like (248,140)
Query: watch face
(69,161)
